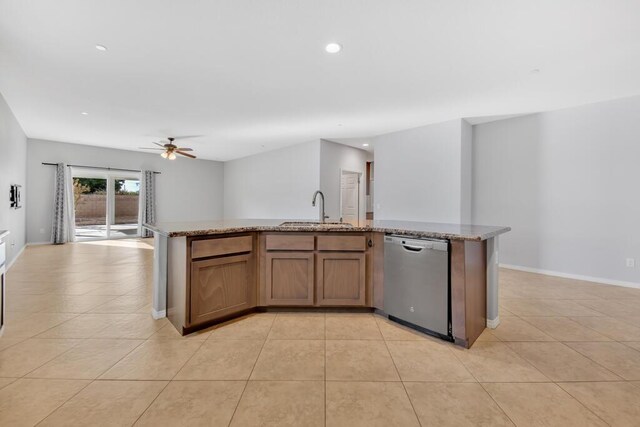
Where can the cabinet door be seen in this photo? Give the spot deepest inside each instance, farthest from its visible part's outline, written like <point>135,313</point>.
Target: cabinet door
<point>341,278</point>
<point>289,278</point>
<point>220,287</point>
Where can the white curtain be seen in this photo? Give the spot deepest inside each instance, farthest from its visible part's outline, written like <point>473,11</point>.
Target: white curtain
<point>147,207</point>
<point>64,216</point>
<point>71,206</point>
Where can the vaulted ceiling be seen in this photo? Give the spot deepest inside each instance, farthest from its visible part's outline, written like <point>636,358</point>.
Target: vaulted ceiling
<point>253,75</point>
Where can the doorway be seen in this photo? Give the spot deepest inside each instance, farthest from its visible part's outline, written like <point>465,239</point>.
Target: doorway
<point>350,196</point>
<point>106,204</point>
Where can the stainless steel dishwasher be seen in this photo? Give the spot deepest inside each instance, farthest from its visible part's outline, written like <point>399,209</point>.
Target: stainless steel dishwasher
<point>416,283</point>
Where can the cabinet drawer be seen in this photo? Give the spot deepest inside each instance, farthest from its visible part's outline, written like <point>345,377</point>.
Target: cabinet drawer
<point>342,243</point>
<point>222,246</point>
<point>279,242</point>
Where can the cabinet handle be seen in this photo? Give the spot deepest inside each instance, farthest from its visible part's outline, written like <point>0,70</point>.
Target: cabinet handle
<point>370,243</point>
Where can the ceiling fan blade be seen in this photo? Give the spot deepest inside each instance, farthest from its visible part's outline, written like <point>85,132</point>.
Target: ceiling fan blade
<point>158,144</point>
<point>187,136</point>
<point>150,148</point>
<point>185,154</point>
<point>184,149</point>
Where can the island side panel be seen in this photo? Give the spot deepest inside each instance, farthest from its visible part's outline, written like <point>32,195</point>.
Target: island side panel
<point>476,288</point>
<point>177,279</point>
<point>378,271</point>
<point>159,294</point>
<point>458,298</point>
<point>468,290</point>
<point>493,319</point>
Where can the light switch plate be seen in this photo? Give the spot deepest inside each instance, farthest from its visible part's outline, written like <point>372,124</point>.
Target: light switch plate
<point>631,262</point>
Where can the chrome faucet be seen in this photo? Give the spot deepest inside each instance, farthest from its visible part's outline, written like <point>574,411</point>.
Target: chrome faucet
<point>313,203</point>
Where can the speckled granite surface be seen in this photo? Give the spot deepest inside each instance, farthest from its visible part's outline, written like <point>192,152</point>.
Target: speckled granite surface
<point>419,229</point>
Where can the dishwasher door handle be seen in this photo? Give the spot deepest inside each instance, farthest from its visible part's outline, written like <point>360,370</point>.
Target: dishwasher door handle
<point>413,249</point>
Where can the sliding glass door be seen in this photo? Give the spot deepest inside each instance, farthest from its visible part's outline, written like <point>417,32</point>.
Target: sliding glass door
<point>90,197</point>
<point>124,215</point>
<point>106,204</point>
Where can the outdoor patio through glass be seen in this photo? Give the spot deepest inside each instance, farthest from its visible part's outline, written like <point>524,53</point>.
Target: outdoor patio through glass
<point>106,204</point>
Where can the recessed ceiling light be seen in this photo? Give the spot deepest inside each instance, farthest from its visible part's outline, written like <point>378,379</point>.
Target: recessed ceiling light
<point>84,113</point>
<point>101,48</point>
<point>333,48</point>
<point>365,145</point>
<point>535,71</point>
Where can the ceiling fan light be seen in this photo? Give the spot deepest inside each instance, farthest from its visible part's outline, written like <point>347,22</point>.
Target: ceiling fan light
<point>172,156</point>
<point>164,154</point>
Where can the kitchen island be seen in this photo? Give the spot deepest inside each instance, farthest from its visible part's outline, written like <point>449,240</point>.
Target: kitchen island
<point>206,272</point>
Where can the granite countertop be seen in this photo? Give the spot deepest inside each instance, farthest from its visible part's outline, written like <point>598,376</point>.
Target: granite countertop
<point>413,228</point>
<point>4,233</point>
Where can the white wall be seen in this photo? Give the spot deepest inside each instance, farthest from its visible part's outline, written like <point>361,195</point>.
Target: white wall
<point>466,172</point>
<point>568,183</point>
<point>13,170</point>
<point>275,184</point>
<point>334,158</point>
<point>186,189</point>
<point>419,173</point>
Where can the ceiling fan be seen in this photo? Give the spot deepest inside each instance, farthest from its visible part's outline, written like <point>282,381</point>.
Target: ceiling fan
<point>169,149</point>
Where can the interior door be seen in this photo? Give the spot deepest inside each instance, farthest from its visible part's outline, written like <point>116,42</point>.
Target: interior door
<point>350,196</point>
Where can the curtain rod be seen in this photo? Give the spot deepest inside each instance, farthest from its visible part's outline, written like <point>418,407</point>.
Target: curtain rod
<point>98,167</point>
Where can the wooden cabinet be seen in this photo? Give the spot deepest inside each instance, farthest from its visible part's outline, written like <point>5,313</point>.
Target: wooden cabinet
<point>221,286</point>
<point>342,243</point>
<point>341,278</point>
<point>221,246</point>
<point>289,278</point>
<point>314,269</point>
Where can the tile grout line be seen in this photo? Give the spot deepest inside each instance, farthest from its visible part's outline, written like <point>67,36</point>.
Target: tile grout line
<point>498,404</point>
<point>590,359</point>
<point>63,403</point>
<point>325,370</point>
<point>168,382</point>
<point>246,383</point>
<point>600,342</point>
<point>483,387</point>
<point>386,345</point>
<point>86,379</point>
<point>580,403</point>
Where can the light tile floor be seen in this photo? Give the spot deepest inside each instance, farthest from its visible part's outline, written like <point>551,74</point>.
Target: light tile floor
<point>81,348</point>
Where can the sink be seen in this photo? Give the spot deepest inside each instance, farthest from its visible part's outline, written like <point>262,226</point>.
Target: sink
<point>316,224</point>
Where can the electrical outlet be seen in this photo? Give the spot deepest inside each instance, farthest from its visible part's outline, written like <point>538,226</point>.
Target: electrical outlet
<point>631,263</point>
<point>42,231</point>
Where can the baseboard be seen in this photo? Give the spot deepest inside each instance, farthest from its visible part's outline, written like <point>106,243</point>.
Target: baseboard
<point>15,258</point>
<point>158,314</point>
<point>493,323</point>
<point>39,243</point>
<point>598,280</point>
